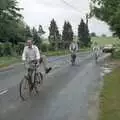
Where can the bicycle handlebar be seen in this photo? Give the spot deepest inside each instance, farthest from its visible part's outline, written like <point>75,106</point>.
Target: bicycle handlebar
<point>32,63</point>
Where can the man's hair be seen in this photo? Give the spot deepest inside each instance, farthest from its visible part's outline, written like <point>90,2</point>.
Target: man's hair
<point>30,38</point>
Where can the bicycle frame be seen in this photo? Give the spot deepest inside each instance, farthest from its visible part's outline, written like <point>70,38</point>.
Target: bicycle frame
<point>33,69</point>
<point>32,80</point>
<point>73,58</point>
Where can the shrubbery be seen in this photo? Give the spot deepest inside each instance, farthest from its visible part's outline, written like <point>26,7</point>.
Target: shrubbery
<point>44,47</point>
<point>1,50</point>
<point>19,48</point>
<point>116,52</point>
<point>6,49</point>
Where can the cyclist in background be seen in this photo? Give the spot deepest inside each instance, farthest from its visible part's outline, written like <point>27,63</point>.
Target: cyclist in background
<point>73,49</point>
<point>96,50</point>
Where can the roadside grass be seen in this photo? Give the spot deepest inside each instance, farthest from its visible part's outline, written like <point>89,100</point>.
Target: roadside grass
<point>84,49</point>
<point>105,40</point>
<point>8,60</point>
<point>116,55</point>
<point>56,53</point>
<point>63,52</point>
<point>110,97</point>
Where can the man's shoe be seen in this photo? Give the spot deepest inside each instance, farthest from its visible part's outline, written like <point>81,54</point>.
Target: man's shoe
<point>48,70</point>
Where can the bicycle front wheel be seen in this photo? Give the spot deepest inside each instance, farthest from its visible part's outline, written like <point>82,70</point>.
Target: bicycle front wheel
<point>24,89</point>
<point>38,79</point>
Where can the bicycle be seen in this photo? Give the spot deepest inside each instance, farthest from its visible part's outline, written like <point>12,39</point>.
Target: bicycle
<point>73,58</point>
<point>96,53</point>
<point>96,57</point>
<point>36,81</point>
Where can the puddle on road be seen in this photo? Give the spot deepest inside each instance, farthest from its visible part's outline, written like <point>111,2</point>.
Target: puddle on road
<point>105,70</point>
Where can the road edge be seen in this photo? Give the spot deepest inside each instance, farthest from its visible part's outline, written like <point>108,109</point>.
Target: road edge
<point>94,100</point>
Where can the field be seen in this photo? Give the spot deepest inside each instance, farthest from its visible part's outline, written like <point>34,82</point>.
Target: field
<point>105,40</point>
<point>102,40</point>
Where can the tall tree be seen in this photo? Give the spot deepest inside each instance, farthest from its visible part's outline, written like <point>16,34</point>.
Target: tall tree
<point>93,34</point>
<point>28,32</point>
<point>54,36</point>
<point>40,30</point>
<point>9,10</point>
<point>108,11</point>
<point>36,38</point>
<point>67,34</point>
<point>10,20</point>
<point>60,44</point>
<point>83,34</point>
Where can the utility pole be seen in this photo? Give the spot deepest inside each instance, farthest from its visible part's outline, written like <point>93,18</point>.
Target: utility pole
<point>87,17</point>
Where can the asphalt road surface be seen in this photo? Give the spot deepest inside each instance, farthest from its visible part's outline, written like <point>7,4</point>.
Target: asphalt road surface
<point>64,95</point>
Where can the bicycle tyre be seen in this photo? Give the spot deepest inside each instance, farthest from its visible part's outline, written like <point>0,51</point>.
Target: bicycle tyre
<point>73,61</point>
<point>96,58</point>
<point>38,81</point>
<point>21,91</point>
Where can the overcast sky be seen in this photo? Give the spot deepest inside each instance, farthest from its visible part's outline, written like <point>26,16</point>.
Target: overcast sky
<point>42,11</point>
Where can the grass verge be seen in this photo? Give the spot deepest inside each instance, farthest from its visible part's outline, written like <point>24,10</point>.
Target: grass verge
<point>8,60</point>
<point>63,52</point>
<point>110,97</point>
<point>56,53</point>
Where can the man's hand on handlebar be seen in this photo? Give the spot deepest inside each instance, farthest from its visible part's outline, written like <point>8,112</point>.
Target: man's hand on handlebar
<point>36,62</point>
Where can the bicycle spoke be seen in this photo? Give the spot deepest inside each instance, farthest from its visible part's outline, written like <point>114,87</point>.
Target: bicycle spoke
<point>24,89</point>
<point>25,85</point>
<point>38,82</point>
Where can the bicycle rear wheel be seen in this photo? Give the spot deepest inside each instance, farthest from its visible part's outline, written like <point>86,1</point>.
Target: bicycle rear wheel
<point>96,58</point>
<point>24,89</point>
<point>73,58</point>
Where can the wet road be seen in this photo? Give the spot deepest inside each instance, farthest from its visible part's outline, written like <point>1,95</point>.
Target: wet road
<point>64,95</point>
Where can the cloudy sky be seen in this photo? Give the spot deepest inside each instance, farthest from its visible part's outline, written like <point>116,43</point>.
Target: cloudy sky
<point>42,11</point>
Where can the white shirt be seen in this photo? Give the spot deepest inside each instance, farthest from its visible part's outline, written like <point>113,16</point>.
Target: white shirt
<point>96,48</point>
<point>31,53</point>
<point>73,46</point>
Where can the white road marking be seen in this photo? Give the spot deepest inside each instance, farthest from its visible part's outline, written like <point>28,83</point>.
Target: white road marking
<point>3,91</point>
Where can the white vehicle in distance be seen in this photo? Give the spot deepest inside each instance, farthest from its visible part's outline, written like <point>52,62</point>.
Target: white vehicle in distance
<point>108,48</point>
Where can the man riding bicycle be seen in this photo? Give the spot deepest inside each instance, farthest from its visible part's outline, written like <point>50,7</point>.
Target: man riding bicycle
<point>31,55</point>
<point>73,49</point>
<point>96,50</point>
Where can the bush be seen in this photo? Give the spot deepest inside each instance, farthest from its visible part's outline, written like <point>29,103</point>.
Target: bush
<point>19,48</point>
<point>116,52</point>
<point>44,47</point>
<point>51,47</point>
<point>7,49</point>
<point>1,50</point>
